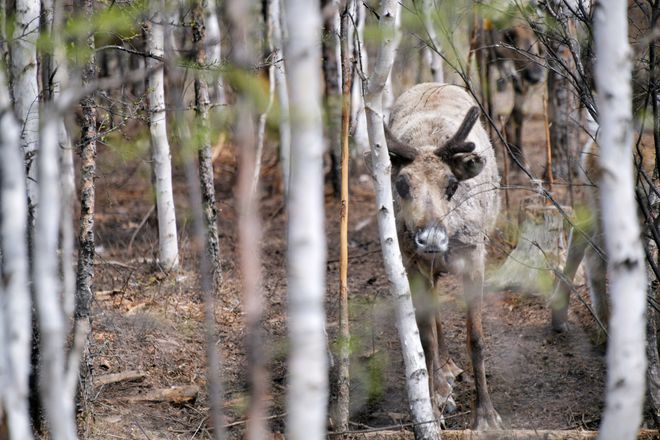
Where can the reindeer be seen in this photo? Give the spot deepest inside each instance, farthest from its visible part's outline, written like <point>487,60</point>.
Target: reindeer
<point>515,52</point>
<point>586,240</point>
<point>446,204</point>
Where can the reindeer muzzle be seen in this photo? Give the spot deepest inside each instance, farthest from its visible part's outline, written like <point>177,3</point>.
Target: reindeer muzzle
<point>432,240</point>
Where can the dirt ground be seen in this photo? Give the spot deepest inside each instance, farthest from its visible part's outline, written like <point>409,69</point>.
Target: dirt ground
<point>151,322</point>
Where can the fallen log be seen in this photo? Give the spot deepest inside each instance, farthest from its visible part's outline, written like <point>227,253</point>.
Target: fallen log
<point>174,394</point>
<point>124,376</point>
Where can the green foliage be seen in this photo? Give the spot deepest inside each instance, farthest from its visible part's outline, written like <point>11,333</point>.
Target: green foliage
<point>583,217</point>
<point>129,149</point>
<point>504,13</point>
<point>111,25</point>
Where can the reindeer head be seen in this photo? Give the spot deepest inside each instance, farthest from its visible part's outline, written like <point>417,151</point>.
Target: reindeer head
<point>427,180</point>
<point>519,45</point>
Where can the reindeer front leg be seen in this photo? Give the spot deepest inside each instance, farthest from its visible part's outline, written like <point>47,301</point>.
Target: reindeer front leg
<point>485,416</point>
<point>425,312</point>
<point>515,123</point>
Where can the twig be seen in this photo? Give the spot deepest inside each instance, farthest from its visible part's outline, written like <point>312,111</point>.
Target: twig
<point>548,145</point>
<point>350,257</point>
<point>244,421</point>
<point>505,159</point>
<point>142,429</point>
<point>399,426</point>
<point>144,220</point>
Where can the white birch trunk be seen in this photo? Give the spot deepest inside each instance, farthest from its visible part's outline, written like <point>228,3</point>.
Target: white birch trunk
<point>283,99</point>
<point>358,117</point>
<point>56,393</point>
<point>214,51</point>
<point>67,173</point>
<point>25,86</point>
<point>626,360</point>
<point>272,21</point>
<point>388,92</point>
<point>16,308</point>
<point>431,54</point>
<point>167,233</point>
<point>413,354</point>
<point>307,396</point>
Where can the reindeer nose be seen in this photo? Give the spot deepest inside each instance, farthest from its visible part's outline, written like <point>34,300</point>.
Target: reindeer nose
<point>432,239</point>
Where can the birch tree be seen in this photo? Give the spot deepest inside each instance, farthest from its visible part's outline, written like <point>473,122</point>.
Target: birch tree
<point>239,13</point>
<point>282,97</point>
<point>341,404</point>
<point>358,117</point>
<point>388,92</point>
<point>214,50</point>
<point>413,355</point>
<point>205,237</point>
<point>332,87</point>
<point>58,373</point>
<point>86,239</point>
<point>160,147</point>
<point>626,361</point>
<point>432,50</point>
<point>204,153</point>
<point>25,87</point>
<point>15,303</point>
<point>307,394</point>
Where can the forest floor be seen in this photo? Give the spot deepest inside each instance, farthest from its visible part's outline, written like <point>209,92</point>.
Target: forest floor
<point>150,322</point>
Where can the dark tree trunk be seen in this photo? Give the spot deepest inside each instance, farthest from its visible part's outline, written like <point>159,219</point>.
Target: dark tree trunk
<point>332,96</point>
<point>202,104</point>
<point>86,252</point>
<point>210,257</point>
<point>562,102</point>
<point>340,383</point>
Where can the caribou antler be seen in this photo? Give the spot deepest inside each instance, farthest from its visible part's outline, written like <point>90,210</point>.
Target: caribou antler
<point>458,153</point>
<point>398,148</point>
<point>456,144</point>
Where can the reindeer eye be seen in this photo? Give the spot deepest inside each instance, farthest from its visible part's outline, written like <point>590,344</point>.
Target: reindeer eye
<point>402,186</point>
<point>452,186</point>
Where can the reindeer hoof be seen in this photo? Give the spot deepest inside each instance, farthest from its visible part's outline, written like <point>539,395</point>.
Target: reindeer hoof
<point>445,404</point>
<point>560,327</point>
<point>487,420</point>
<point>452,372</point>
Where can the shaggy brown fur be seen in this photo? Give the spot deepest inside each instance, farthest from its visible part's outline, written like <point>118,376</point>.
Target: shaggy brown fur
<point>447,201</point>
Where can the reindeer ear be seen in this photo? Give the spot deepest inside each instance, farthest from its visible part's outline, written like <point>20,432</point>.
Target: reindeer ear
<point>466,165</point>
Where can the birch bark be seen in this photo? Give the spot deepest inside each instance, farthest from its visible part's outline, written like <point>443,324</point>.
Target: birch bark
<point>626,360</point>
<point>214,51</point>
<point>58,375</point>
<point>86,250</point>
<point>283,99</point>
<point>307,396</point>
<point>413,354</point>
<point>341,404</point>
<point>431,54</point>
<point>211,260</point>
<point>16,310</point>
<point>240,14</point>
<point>84,283</point>
<point>388,91</point>
<point>204,153</point>
<point>167,232</point>
<point>358,117</point>
<point>332,88</point>
<point>25,88</point>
